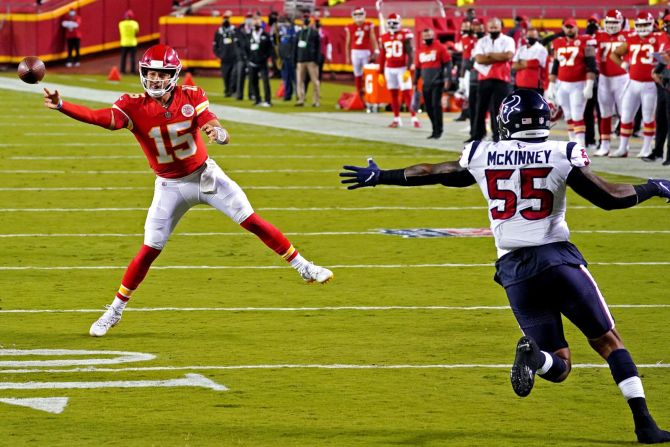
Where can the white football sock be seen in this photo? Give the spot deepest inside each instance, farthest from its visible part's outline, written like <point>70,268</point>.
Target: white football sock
<point>631,387</point>
<point>548,363</point>
<point>119,304</point>
<point>298,262</point>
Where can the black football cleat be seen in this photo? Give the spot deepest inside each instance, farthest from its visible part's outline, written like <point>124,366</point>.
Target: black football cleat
<point>527,361</point>
<point>652,435</point>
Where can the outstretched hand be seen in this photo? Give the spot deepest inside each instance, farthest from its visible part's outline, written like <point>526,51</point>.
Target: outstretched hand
<point>51,100</point>
<point>361,176</point>
<point>662,185</point>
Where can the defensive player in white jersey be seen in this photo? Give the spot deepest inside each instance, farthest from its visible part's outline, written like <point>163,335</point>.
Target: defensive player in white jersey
<point>524,177</point>
<point>166,121</point>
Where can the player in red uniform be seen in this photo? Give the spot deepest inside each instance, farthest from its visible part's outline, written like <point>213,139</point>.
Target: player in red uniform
<point>641,90</point>
<point>612,80</point>
<point>575,67</point>
<point>359,44</point>
<point>396,61</point>
<point>166,120</point>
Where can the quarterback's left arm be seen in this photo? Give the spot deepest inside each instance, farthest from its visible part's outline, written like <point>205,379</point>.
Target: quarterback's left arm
<point>449,173</point>
<point>612,196</point>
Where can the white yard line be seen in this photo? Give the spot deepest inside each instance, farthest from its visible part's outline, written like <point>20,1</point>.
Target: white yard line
<point>306,309</point>
<point>145,172</point>
<point>301,366</point>
<point>272,267</point>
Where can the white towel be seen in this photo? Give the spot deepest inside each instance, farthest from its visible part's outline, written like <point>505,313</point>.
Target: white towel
<point>208,178</point>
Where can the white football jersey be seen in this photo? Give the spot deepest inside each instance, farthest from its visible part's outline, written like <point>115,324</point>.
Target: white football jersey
<point>524,184</point>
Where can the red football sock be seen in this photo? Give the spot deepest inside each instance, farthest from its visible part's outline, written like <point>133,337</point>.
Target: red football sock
<point>137,271</point>
<point>358,80</point>
<point>407,99</point>
<point>270,236</point>
<point>605,127</point>
<point>395,102</point>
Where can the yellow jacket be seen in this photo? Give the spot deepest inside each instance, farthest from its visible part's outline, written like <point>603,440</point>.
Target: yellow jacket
<point>128,30</point>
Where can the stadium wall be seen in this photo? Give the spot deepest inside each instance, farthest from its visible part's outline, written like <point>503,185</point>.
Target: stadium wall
<point>42,35</point>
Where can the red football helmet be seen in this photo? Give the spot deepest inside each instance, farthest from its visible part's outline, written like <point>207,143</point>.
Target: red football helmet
<point>644,24</point>
<point>162,59</point>
<point>393,22</point>
<point>613,21</point>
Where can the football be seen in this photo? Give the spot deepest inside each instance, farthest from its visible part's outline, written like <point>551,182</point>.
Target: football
<point>31,70</point>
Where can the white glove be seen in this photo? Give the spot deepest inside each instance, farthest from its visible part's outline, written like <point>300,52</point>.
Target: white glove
<point>588,89</point>
<point>550,94</point>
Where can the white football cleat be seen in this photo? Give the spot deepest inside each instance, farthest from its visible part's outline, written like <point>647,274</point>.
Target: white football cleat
<point>314,273</point>
<point>602,152</point>
<point>108,320</point>
<point>644,153</point>
<point>619,153</point>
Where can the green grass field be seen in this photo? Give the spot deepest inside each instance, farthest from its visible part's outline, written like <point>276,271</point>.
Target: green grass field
<point>349,370</point>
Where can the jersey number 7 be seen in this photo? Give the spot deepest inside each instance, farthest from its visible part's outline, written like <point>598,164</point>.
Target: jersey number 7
<point>527,178</point>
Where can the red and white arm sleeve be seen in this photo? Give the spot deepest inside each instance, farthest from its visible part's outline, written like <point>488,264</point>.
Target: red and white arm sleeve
<point>110,118</point>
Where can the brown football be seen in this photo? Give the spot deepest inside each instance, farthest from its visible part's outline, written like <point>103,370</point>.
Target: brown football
<point>31,70</point>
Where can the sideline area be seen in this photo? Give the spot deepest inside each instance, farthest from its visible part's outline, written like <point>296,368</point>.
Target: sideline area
<point>371,127</point>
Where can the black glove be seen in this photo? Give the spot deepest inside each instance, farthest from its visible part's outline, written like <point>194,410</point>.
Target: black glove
<point>362,176</point>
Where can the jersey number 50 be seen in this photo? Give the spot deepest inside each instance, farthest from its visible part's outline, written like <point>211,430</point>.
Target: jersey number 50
<point>173,131</point>
<point>527,178</point>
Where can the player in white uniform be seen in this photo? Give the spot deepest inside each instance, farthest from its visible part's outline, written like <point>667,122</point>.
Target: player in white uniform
<point>524,177</point>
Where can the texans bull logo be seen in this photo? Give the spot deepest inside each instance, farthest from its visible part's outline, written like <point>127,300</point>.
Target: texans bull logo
<point>509,106</point>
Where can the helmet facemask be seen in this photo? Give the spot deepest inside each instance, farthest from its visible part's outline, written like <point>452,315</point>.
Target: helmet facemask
<point>157,88</point>
<point>613,26</point>
<point>643,29</point>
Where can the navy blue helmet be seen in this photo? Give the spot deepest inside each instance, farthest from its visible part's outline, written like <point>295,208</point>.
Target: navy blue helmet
<point>524,114</point>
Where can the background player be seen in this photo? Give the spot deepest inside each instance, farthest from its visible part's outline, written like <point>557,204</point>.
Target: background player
<point>638,51</point>
<point>396,61</point>
<point>575,67</point>
<point>360,44</point>
<point>523,177</point>
<point>612,78</point>
<point>165,121</point>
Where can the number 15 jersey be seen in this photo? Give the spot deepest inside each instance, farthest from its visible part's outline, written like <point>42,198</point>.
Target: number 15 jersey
<point>524,184</point>
<point>169,136</point>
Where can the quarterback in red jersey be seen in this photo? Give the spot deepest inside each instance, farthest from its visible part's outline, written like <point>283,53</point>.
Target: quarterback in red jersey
<point>575,67</point>
<point>396,62</point>
<point>636,56</point>
<point>166,120</point>
<point>359,44</point>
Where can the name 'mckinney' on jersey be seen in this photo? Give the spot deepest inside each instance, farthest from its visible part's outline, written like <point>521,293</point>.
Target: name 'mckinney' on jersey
<point>525,185</point>
<point>169,136</point>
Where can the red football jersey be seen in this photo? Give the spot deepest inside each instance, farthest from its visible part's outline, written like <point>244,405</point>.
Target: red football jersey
<point>169,136</point>
<point>570,56</point>
<point>640,55</point>
<point>392,52</point>
<point>468,43</point>
<point>606,44</point>
<point>359,36</point>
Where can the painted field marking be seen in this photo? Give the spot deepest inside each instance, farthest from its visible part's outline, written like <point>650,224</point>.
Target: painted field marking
<point>189,380</point>
<point>227,156</point>
<point>273,267</point>
<point>304,309</point>
<point>146,172</point>
<point>298,366</point>
<point>144,188</point>
<point>54,405</point>
<point>119,357</point>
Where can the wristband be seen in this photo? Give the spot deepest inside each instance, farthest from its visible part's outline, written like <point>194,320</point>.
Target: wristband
<point>60,104</point>
<point>393,177</point>
<point>646,191</point>
<point>221,135</point>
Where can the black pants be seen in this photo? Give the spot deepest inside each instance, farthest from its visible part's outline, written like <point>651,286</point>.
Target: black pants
<point>229,76</point>
<point>73,50</point>
<point>432,98</point>
<point>241,69</point>
<point>489,97</point>
<point>131,54</point>
<point>256,72</point>
<point>591,112</point>
<point>662,112</point>
<point>472,104</point>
